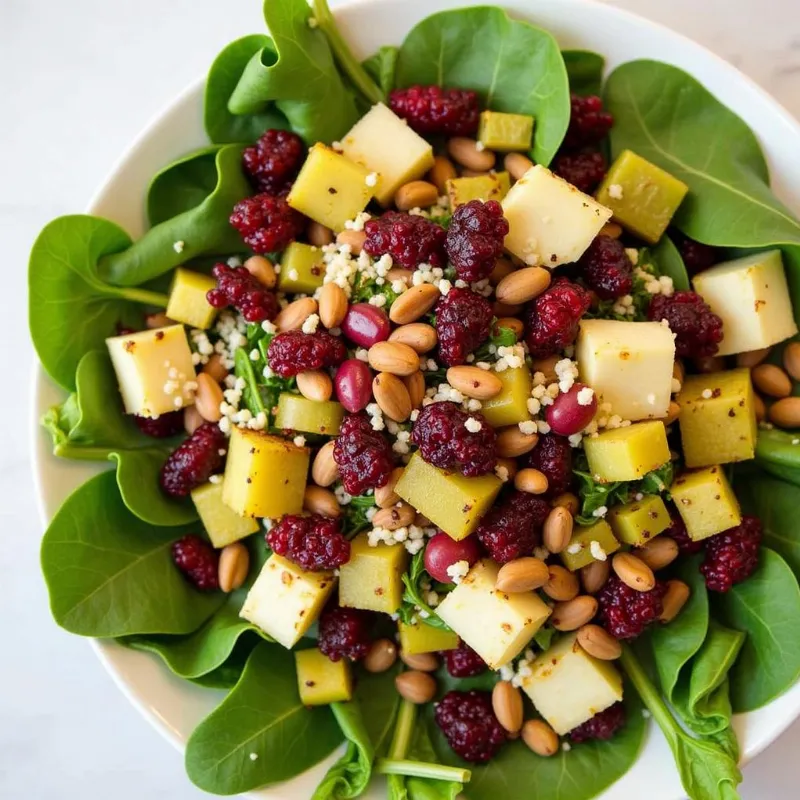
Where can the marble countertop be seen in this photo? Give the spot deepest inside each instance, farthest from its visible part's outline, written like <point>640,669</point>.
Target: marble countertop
<point>78,81</point>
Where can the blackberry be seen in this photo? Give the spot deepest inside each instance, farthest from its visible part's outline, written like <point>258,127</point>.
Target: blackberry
<point>512,528</point>
<point>194,461</point>
<point>434,110</point>
<point>697,329</point>
<point>314,542</point>
<point>198,561</point>
<point>293,352</point>
<point>363,455</point>
<point>470,726</point>
<point>475,238</point>
<point>463,323</point>
<point>552,318</point>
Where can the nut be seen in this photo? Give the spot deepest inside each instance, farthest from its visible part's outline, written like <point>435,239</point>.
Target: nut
<point>658,553</point>
<point>318,234</point>
<point>760,407</point>
<point>215,368</point>
<point>522,575</point>
<point>512,324</point>
<point>157,320</point>
<point>678,372</point>
<point>598,642</point>
<point>507,706</point>
<point>292,317</point>
<point>594,576</point>
<point>385,496</point>
<point>509,465</point>
<point>791,359</point>
<point>633,572</point>
<point>393,357</point>
<point>673,412</point>
<point>710,364</point>
<point>321,501</point>
<point>547,366</point>
<point>192,420</point>
<point>771,380</point>
<point>262,270</point>
<point>523,285</point>
<point>785,413</point>
<point>208,397</point>
<point>557,530</point>
<point>391,396</point>
<point>674,600</point>
<point>539,736</point>
<point>399,274</point>
<point>569,501</point>
<point>423,662</point>
<point>324,471</point>
<point>421,521</point>
<point>415,383</point>
<point>475,382</point>
<point>314,384</point>
<point>234,564</point>
<point>531,480</point>
<point>416,194</point>
<point>502,267</point>
<point>414,303</point>
<point>442,171</point>
<point>512,442</point>
<point>381,656</point>
<point>465,151</point>
<point>569,615</point>
<point>562,585</point>
<point>419,336</point>
<point>397,516</point>
<point>517,165</point>
<point>500,309</point>
<point>416,687</point>
<point>332,305</point>
<point>754,357</point>
<point>611,229</point>
<point>355,239</point>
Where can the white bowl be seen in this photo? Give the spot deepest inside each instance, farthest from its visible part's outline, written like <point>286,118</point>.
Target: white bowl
<point>175,707</point>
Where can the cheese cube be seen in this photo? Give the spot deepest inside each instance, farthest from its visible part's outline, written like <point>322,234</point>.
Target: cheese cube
<point>321,681</point>
<point>285,600</point>
<point>550,221</point>
<point>497,626</point>
<point>187,299</point>
<point>706,502</point>
<point>510,406</point>
<point>638,522</point>
<point>628,364</point>
<point>627,454</point>
<point>567,686</point>
<point>751,297</point>
<point>302,269</point>
<point>383,143</point>
<point>223,525</point>
<point>477,187</point>
<point>505,132</point>
<point>587,542</point>
<point>423,638</point>
<point>373,577</point>
<point>154,370</point>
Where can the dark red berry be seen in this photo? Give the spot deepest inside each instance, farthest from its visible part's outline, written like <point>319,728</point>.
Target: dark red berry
<point>432,109</point>
<point>238,288</point>
<point>198,561</point>
<point>274,160</point>
<point>606,268</point>
<point>696,256</point>
<point>677,531</point>
<point>553,456</point>
<point>293,352</point>
<point>161,427</point>
<point>194,461</point>
<point>626,612</point>
<point>363,455</point>
<point>314,542</point>
<point>583,170</point>
<point>267,222</point>
<point>589,123</point>
<point>444,440</point>
<point>345,633</point>
<point>468,722</point>
<point>552,318</point>
<point>409,239</point>
<point>463,323</point>
<point>475,238</point>
<point>601,726</point>
<point>512,528</point>
<point>697,329</point>
<point>732,556</point>
<point>464,662</point>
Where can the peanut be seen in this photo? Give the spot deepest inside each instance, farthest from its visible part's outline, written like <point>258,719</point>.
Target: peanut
<point>501,309</point>
<point>415,383</point>
<point>441,172</point>
<point>791,359</point>
<point>523,285</point>
<point>234,564</point>
<point>423,662</point>
<point>416,687</point>
<point>754,357</point>
<point>509,465</point>
<point>319,235</point>
<point>466,152</point>
<point>381,656</point>
<point>512,324</point>
<point>318,500</point>
<point>594,576</point>
<point>414,303</point>
<point>475,382</point>
<point>292,317</point>
<point>192,420</point>
<point>416,194</point>
<point>208,397</point>
<point>547,366</point>
<point>157,320</point>
<point>392,396</point>
<point>522,575</point>
<point>674,600</point>
<point>531,480</point>
<point>517,165</point>
<point>557,530</point>
<point>355,239</point>
<point>512,442</point>
<point>562,584</point>
<point>771,380</point>
<point>314,384</point>
<point>262,270</point>
<point>598,642</point>
<point>760,407</point>
<point>385,496</point>
<point>324,470</point>
<point>215,368</point>
<point>569,615</point>
<point>502,267</point>
<point>569,501</point>
<point>633,572</point>
<point>785,413</point>
<point>658,553</point>
<point>332,305</point>
<point>611,229</point>
<point>540,738</point>
<point>398,359</point>
<point>507,706</point>
<point>398,516</point>
<point>419,336</point>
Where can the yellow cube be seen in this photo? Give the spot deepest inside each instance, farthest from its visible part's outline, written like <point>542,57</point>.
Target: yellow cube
<point>451,501</point>
<point>638,522</point>
<point>265,476</point>
<point>505,132</point>
<point>222,524</point>
<point>627,454</point>
<point>187,299</point>
<point>706,502</point>
<point>373,577</point>
<point>298,413</point>
<point>302,269</point>
<point>330,188</point>
<point>477,187</point>
<point>422,638</point>
<point>589,543</point>
<point>510,407</point>
<point>321,681</point>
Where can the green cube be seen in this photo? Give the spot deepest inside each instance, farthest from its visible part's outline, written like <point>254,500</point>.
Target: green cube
<point>321,681</point>
<point>298,413</point>
<point>506,132</point>
<point>422,638</point>
<point>638,522</point>
<point>510,407</point>
<point>187,299</point>
<point>706,502</point>
<point>302,269</point>
<point>494,186</point>
<point>582,550</point>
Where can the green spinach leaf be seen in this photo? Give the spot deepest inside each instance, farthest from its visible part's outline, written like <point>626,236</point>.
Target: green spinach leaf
<point>355,515</point>
<point>778,453</point>
<point>382,65</point>
<point>584,70</point>
<point>667,261</point>
<point>414,607</point>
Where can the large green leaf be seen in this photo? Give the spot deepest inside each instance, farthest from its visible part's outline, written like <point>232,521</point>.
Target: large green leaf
<point>585,71</point>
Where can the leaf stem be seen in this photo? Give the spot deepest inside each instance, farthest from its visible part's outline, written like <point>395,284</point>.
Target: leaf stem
<point>144,296</point>
<point>422,769</point>
<point>81,453</point>
<point>647,691</point>
<point>404,727</point>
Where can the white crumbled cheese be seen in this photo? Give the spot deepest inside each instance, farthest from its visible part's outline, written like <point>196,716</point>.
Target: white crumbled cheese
<point>506,672</point>
<point>414,415</point>
<point>310,325</point>
<point>254,756</point>
<point>473,425</point>
<point>575,439</point>
<point>480,146</point>
<point>398,286</point>
<point>566,746</point>
<point>178,246</point>
<point>484,365</point>
<point>378,300</point>
<point>458,570</point>
<point>255,354</point>
<point>585,396</point>
<point>312,22</point>
<point>542,553</point>
<point>596,549</point>
<point>234,261</point>
<point>371,179</point>
<point>542,426</point>
<point>633,255</point>
<point>342,496</point>
<point>599,513</point>
<point>646,713</point>
<point>501,472</point>
<point>534,406</point>
<point>215,479</point>
<point>292,275</point>
<point>269,327</point>
<point>707,394</point>
<point>575,548</point>
<point>508,357</point>
<point>444,286</point>
<point>401,445</point>
<point>299,441</point>
<point>357,224</point>
<point>567,372</point>
<point>615,191</point>
<point>362,354</point>
<point>528,427</point>
<point>376,417</point>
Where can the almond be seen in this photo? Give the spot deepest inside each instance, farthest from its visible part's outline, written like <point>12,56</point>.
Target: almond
<point>562,584</point>
<point>192,419</point>
<point>785,413</point>
<point>673,412</point>
<point>598,642</point>
<point>415,383</point>
<point>324,470</point>
<point>262,270</point>
<point>512,324</point>
<point>557,530</point>
<point>569,615</point>
<point>594,576</point>
<point>423,662</point>
<point>517,165</point>
<point>507,706</point>
<point>419,336</point>
<point>633,572</point>
<point>314,384</point>
<point>754,357</point>
<point>208,397</point>
<point>502,267</point>
<point>416,687</point>
<point>441,172</point>
<point>332,305</point>
<point>393,357</point>
<point>414,303</point>
<point>318,500</point>
<point>674,600</point>
<point>381,656</point>
<point>416,194</point>
<point>658,553</point>
<point>385,496</point>
<point>523,285</point>
<point>398,516</point>
<point>538,735</point>
<point>531,480</point>
<point>509,465</point>
<point>791,359</point>
<point>771,380</point>
<point>465,151</point>
<point>522,575</point>
<point>355,239</point>
<point>760,407</point>
<point>215,368</point>
<point>475,382</point>
<point>512,442</point>
<point>612,230</point>
<point>318,234</point>
<point>292,317</point>
<point>392,396</point>
<point>547,366</point>
<point>569,501</point>
<point>234,564</point>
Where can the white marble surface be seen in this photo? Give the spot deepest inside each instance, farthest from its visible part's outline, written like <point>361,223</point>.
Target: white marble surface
<point>78,80</point>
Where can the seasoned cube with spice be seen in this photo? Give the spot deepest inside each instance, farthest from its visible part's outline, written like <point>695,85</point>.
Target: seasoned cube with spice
<point>373,577</point>
<point>223,525</point>
<point>627,453</point>
<point>706,502</point>
<point>504,132</point>
<point>297,413</point>
<point>321,681</point>
<point>639,521</point>
<point>589,543</point>
<point>494,186</point>
<point>187,299</point>
<point>510,406</point>
<point>420,637</point>
<point>302,269</point>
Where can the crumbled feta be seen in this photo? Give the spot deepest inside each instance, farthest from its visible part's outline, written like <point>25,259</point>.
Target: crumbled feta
<point>596,549</point>
<point>310,325</point>
<point>371,179</point>
<point>707,394</point>
<point>215,479</point>
<point>528,427</point>
<point>178,246</point>
<point>473,425</point>
<point>458,570</point>
<point>599,513</point>
<point>615,191</point>
<point>575,548</point>
<point>586,395</point>
<point>300,441</point>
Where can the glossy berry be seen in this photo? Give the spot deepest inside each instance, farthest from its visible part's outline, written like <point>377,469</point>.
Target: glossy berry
<point>464,662</point>
<point>463,323</point>
<point>293,352</point>
<point>432,110</point>
<point>677,531</point>
<point>365,325</point>
<point>553,456</point>
<point>353,385</point>
<point>409,239</point>
<point>552,318</point>
<point>344,633</point>
<point>601,726</point>
<point>470,726</point>
<point>626,612</point>
<point>194,461</point>
<point>475,238</point>
<point>697,329</point>
<point>363,455</point>
<point>238,288</point>
<point>696,256</point>
<point>314,542</point>
<point>161,427</point>
<point>267,222</point>
<point>442,552</point>
<point>606,268</point>
<point>571,411</point>
<point>512,528</point>
<point>583,170</point>
<point>274,160</point>
<point>198,561</point>
<point>444,440</point>
<point>732,556</point>
<point>589,123</point>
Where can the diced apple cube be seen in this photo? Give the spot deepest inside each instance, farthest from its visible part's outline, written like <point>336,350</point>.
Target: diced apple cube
<point>706,502</point>
<point>321,681</point>
<point>638,522</point>
<point>477,187</point>
<point>550,221</point>
<point>383,143</point>
<point>154,370</point>
<point>627,454</point>
<point>496,625</point>
<point>298,413</point>
<point>510,407</point>
<point>302,269</point>
<point>187,299</point>
<point>223,525</point>
<point>587,543</point>
<point>568,686</point>
<point>628,364</point>
<point>505,132</point>
<point>422,638</point>
<point>751,297</point>
<point>373,577</point>
<point>285,600</point>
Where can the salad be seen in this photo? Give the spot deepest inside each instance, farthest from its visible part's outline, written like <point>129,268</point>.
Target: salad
<point>452,409</point>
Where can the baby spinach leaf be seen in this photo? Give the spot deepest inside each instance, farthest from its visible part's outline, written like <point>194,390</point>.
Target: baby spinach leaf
<point>767,607</point>
<point>262,715</point>
<point>227,674</point>
<point>584,70</point>
<point>668,261</point>
<point>413,600</point>
<point>777,453</point>
<point>298,75</point>
<point>518,68</point>
<point>109,573</point>
<point>382,65</point>
<point>355,515</point>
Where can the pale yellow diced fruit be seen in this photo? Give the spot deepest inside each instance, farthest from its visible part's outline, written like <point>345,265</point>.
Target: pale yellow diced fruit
<point>496,625</point>
<point>550,221</point>
<point>627,453</point>
<point>706,502</point>
<point>187,299</point>
<point>154,370</point>
<point>628,364</point>
<point>383,143</point>
<point>373,577</point>
<point>567,686</point>
<point>223,525</point>
<point>751,297</point>
<point>285,600</point>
